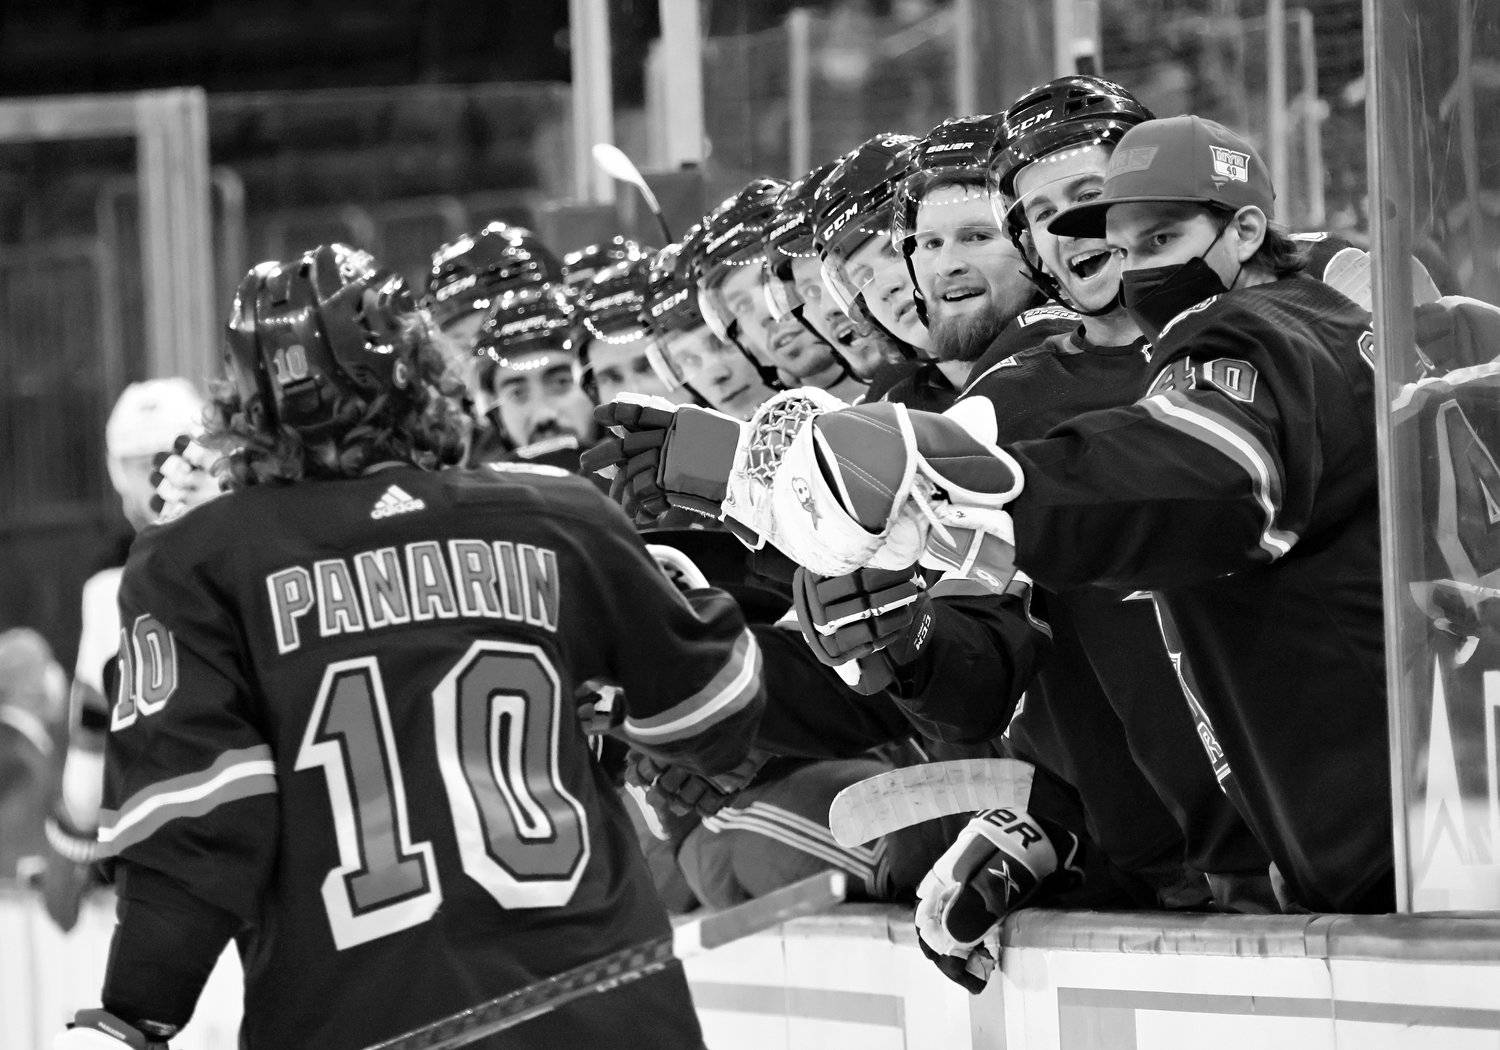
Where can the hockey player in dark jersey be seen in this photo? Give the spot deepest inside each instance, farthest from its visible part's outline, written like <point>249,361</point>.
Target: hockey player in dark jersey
<point>346,734</point>
<point>1240,489</point>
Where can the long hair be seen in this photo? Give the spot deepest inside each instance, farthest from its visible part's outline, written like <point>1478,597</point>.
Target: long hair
<point>423,423</point>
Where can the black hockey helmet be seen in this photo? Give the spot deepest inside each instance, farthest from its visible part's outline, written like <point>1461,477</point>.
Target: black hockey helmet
<point>610,308</point>
<point>955,152</point>
<point>790,236</point>
<point>306,332</point>
<point>1069,112</point>
<point>732,236</point>
<point>582,263</point>
<point>853,204</point>
<point>670,303</point>
<point>1074,110</point>
<point>471,273</point>
<point>527,320</point>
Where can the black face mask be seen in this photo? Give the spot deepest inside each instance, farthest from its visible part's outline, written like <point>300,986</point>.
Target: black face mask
<point>1154,295</point>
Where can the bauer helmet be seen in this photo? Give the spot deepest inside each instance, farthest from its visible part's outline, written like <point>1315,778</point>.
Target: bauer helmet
<point>303,334</point>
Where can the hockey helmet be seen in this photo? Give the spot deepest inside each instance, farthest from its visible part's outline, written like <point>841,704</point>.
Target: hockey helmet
<point>1074,110</point>
<point>306,332</point>
<point>731,239</point>
<point>790,236</point>
<point>579,265</point>
<point>471,273</point>
<point>854,204</point>
<point>527,321</point>
<point>610,308</point>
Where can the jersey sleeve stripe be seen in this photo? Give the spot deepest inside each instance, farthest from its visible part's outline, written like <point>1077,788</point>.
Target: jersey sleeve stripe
<point>728,692</point>
<point>235,775</point>
<point>797,833</point>
<point>1174,410</point>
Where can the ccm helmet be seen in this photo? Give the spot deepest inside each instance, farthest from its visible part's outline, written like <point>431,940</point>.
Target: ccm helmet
<point>854,204</point>
<point>1071,112</point>
<point>304,333</point>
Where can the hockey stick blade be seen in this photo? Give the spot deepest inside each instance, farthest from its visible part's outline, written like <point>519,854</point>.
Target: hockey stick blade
<point>891,801</point>
<point>814,894</point>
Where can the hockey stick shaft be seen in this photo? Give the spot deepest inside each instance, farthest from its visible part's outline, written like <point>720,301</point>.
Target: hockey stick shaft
<point>812,895</point>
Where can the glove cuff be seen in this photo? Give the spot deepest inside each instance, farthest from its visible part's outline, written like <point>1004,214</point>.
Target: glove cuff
<point>698,455</point>
<point>80,847</point>
<point>102,1030</point>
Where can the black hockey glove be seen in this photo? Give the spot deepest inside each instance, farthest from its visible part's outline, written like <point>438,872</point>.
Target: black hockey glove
<point>674,791</point>
<point>1456,332</point>
<point>663,457</point>
<point>1001,861</point>
<point>878,618</point>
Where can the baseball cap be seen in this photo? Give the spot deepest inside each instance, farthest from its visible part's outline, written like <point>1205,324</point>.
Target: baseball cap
<point>1183,159</point>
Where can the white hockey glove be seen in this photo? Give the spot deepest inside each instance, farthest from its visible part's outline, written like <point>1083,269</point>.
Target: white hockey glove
<point>999,862</point>
<point>102,1030</point>
<point>869,486</point>
<point>185,479</point>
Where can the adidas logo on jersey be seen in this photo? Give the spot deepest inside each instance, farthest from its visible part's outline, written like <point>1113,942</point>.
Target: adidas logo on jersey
<point>396,500</point>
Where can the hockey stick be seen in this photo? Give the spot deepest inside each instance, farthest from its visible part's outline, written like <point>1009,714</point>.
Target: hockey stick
<point>891,801</point>
<point>812,895</point>
<point>613,161</point>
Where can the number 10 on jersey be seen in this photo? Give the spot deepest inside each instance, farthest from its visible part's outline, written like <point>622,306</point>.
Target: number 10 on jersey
<point>497,718</point>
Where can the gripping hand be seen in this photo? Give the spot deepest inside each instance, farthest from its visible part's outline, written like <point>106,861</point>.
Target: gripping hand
<point>661,455</point>
<point>999,862</point>
<point>878,619</point>
<point>184,478</point>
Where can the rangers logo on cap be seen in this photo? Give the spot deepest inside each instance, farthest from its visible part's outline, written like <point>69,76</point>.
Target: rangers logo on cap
<point>1230,164</point>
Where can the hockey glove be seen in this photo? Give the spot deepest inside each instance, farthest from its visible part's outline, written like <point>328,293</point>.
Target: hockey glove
<point>662,455</point>
<point>1456,332</point>
<point>68,872</point>
<point>876,618</point>
<point>102,1030</point>
<point>674,790</point>
<point>1000,861</point>
<point>184,478</point>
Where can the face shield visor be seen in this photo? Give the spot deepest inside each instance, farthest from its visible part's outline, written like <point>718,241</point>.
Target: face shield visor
<point>844,276</point>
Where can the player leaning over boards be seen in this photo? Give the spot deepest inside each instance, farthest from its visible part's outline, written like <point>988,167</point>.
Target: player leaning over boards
<point>351,742</point>
<point>1240,489</point>
<point>1106,706</point>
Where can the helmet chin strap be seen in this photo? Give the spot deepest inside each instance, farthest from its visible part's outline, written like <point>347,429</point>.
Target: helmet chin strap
<point>1051,287</point>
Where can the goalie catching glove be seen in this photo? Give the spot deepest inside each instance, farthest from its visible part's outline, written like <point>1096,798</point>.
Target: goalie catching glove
<point>839,489</point>
<point>878,619</point>
<point>1000,861</point>
<point>662,455</point>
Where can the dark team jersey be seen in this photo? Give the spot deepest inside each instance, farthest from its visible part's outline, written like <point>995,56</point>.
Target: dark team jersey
<point>350,723</point>
<point>1241,490</point>
<point>1105,707</point>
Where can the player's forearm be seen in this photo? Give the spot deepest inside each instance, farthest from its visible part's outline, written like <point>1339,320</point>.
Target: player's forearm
<point>1114,499</point>
<point>165,945</point>
<point>965,686</point>
<point>809,710</point>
